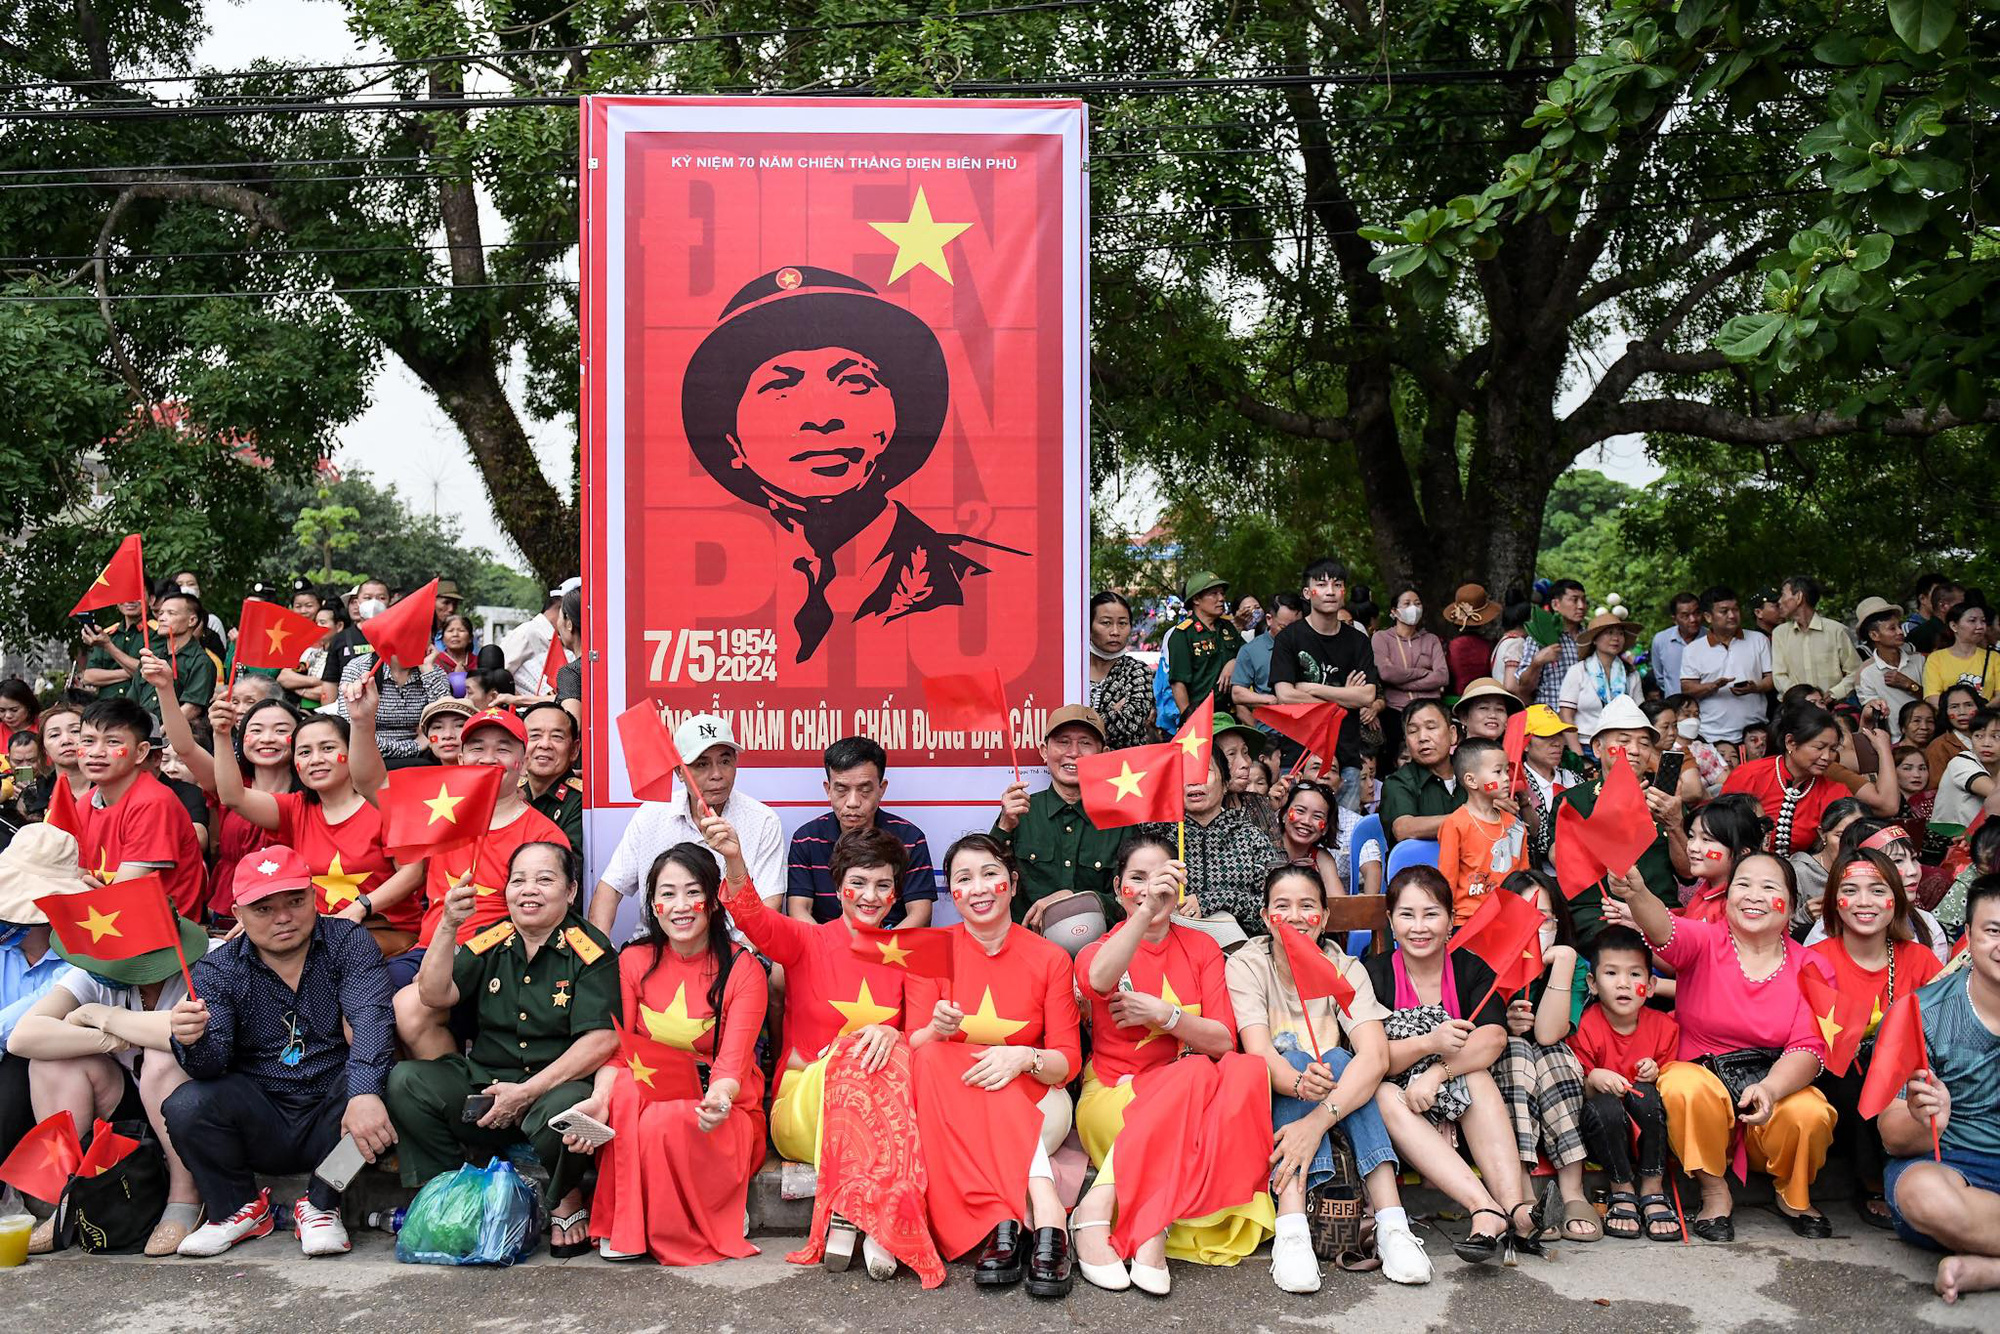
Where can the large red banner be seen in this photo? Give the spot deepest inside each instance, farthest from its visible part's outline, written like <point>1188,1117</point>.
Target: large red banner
<point>834,424</point>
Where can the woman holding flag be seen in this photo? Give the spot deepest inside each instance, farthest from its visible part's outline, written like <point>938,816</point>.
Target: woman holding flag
<point>1287,989</point>
<point>686,1101</point>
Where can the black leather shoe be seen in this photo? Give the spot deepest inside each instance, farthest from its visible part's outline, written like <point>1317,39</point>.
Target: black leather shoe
<point>1000,1262</point>
<point>1813,1227</point>
<point>1049,1265</point>
<point>1722,1228</point>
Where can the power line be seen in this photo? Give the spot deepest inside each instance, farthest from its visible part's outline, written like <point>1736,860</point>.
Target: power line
<point>440,289</point>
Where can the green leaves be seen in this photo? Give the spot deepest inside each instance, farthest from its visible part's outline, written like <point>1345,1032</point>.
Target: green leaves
<point>1923,24</point>
<point>1748,336</point>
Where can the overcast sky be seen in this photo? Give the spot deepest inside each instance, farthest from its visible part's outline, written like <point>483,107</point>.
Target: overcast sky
<point>404,438</point>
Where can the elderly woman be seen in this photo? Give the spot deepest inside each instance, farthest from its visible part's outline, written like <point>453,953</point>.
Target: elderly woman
<point>1793,785</point>
<point>1318,1094</point>
<point>1121,689</point>
<point>673,1180</point>
<point>1871,945</point>
<point>1600,675</point>
<point>844,1087</point>
<point>1958,704</point>
<point>1749,1048</point>
<point>993,1049</point>
<point>1227,855</point>
<point>1440,1056</point>
<point>543,985</point>
<point>1156,993</point>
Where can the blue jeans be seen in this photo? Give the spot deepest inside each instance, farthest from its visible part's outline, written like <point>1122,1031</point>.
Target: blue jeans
<point>1362,1125</point>
<point>1980,1170</point>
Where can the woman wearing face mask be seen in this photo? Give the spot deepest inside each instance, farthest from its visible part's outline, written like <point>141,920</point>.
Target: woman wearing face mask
<point>1411,659</point>
<point>1711,766</point>
<point>992,1051</point>
<point>1749,1047</point>
<point>1876,961</point>
<point>1440,1058</point>
<point>1156,992</point>
<point>673,1180</point>
<point>1792,786</point>
<point>1247,615</point>
<point>1720,835</point>
<point>1121,689</point>
<point>1318,1094</point>
<point>1958,703</point>
<point>1600,676</point>
<point>1894,842</point>
<point>1227,855</point>
<point>843,1101</point>
<point>337,833</point>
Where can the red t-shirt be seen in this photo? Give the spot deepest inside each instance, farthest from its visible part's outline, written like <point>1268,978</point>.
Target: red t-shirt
<point>1599,1046</point>
<point>1023,996</point>
<point>147,824</point>
<point>235,839</point>
<point>1759,779</point>
<point>1184,969</point>
<point>490,880</point>
<point>1915,966</point>
<point>347,859</point>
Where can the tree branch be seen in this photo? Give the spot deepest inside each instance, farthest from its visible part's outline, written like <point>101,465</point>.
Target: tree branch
<point>1688,417</point>
<point>1736,266</point>
<point>1595,295</point>
<point>1587,243</point>
<point>1292,422</point>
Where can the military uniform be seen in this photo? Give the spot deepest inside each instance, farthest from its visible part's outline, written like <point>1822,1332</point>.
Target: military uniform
<point>1196,655</point>
<point>1058,848</point>
<point>563,805</point>
<point>131,641</point>
<point>529,1012</point>
<point>194,677</point>
<point>1586,910</point>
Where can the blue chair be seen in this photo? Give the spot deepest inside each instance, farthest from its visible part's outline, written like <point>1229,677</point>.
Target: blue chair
<point>1370,828</point>
<point>1410,852</point>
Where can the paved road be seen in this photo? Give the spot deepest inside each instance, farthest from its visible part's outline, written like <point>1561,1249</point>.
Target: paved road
<point>1770,1280</point>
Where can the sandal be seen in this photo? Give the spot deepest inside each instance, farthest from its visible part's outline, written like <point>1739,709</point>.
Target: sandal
<point>563,1223</point>
<point>1622,1206</point>
<point>1475,1249</point>
<point>1720,1228</point>
<point>1664,1218</point>
<point>1581,1212</point>
<point>1517,1245</point>
<point>1873,1217</point>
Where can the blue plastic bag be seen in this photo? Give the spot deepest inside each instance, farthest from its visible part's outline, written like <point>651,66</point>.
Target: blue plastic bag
<point>474,1216</point>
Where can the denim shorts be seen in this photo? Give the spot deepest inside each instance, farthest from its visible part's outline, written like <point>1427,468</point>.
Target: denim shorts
<point>1980,1170</point>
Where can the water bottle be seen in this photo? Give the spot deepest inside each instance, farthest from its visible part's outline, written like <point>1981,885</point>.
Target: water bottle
<point>390,1222</point>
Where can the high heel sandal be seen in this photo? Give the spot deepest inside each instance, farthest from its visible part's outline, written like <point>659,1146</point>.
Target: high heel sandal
<point>1111,1277</point>
<point>1477,1250</point>
<point>1514,1246</point>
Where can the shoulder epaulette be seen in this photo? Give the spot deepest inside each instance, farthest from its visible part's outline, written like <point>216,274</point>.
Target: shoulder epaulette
<point>498,934</point>
<point>586,949</point>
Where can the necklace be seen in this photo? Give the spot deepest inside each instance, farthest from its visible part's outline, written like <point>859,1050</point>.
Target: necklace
<point>1737,950</point>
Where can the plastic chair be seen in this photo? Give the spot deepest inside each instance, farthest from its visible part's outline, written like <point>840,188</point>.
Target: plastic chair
<point>1410,852</point>
<point>1369,828</point>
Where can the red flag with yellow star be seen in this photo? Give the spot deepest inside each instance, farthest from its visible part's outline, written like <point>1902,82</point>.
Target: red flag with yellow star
<point>45,1159</point>
<point>107,1149</point>
<point>659,1072</point>
<point>435,809</point>
<point>122,920</point>
<point>1314,726</point>
<point>1839,1025</point>
<point>402,634</point>
<point>1132,786</point>
<point>272,636</point>
<point>923,950</point>
<point>122,580</point>
<point>1196,739</point>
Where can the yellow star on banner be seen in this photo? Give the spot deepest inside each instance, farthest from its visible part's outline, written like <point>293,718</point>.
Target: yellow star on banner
<point>892,953</point>
<point>1192,744</point>
<point>340,887</point>
<point>672,1025</point>
<point>483,890</point>
<point>920,240</point>
<point>1167,995</point>
<point>1127,782</point>
<point>443,805</point>
<point>862,1011</point>
<point>987,1026</point>
<point>278,634</point>
<point>105,871</point>
<point>101,925</point>
<point>1829,1030</point>
<point>641,1072</point>
<point>103,577</point>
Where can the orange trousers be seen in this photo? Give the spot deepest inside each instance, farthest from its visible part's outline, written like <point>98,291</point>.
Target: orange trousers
<point>1791,1146</point>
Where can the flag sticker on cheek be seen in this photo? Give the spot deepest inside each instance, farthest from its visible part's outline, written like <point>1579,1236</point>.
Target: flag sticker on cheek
<point>1640,991</point>
<point>1777,903</point>
<point>1846,901</point>
<point>1712,854</point>
<point>120,752</point>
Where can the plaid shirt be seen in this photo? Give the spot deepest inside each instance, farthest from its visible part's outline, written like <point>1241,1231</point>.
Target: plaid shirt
<point>1226,861</point>
<point>1549,692</point>
<point>400,705</point>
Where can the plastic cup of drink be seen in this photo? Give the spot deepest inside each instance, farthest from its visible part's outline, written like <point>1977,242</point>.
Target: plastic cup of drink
<point>14,1230</point>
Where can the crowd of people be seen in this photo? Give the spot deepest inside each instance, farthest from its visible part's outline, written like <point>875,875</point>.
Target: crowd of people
<point>1183,1004</point>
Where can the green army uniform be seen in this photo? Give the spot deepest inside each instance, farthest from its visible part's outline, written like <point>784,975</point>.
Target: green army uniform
<point>529,1012</point>
<point>194,679</point>
<point>562,804</point>
<point>131,641</point>
<point>1415,790</point>
<point>1586,910</point>
<point>1056,848</point>
<point>1196,656</point>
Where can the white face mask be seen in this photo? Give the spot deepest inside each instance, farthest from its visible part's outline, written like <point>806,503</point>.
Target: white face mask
<point>192,590</point>
<point>1548,935</point>
<point>369,608</point>
<point>1409,615</point>
<point>1689,728</point>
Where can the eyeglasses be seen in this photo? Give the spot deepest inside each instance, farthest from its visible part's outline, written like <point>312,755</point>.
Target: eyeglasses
<point>295,1046</point>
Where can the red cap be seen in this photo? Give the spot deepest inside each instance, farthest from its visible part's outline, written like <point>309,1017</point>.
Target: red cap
<point>268,871</point>
<point>504,719</point>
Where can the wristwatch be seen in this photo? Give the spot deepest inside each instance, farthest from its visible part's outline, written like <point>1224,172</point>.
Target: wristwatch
<point>1173,1021</point>
<point>1035,1066</point>
<point>367,905</point>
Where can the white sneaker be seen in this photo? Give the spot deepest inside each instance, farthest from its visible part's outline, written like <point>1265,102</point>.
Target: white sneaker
<point>320,1230</point>
<point>252,1220</point>
<point>881,1264</point>
<point>1294,1267</point>
<point>1403,1258</point>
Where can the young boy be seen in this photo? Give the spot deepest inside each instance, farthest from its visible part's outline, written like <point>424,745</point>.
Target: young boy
<point>130,823</point>
<point>1621,1044</point>
<point>1969,780</point>
<point>1479,844</point>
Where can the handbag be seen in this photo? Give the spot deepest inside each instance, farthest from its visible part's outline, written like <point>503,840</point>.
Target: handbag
<point>1738,1070</point>
<point>1333,1208</point>
<point>115,1210</point>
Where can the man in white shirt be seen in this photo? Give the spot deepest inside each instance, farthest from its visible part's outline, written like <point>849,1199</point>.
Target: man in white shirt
<point>526,646</point>
<point>1893,674</point>
<point>1728,671</point>
<point>708,748</point>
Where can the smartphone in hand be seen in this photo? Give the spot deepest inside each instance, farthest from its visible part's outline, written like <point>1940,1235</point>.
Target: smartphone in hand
<point>341,1166</point>
<point>476,1106</point>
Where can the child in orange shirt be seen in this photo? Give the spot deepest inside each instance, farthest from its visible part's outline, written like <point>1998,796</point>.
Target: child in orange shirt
<point>1479,844</point>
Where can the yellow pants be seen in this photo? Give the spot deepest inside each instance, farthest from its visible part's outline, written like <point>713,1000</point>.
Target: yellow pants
<point>795,1113</point>
<point>1791,1146</point>
<point>1222,1238</point>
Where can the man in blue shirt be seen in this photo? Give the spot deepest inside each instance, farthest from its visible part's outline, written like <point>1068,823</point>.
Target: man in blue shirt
<point>274,1081</point>
<point>1250,686</point>
<point>1670,643</point>
<point>40,861</point>
<point>856,778</point>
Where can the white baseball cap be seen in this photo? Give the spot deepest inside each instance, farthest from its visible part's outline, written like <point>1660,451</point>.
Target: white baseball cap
<point>701,733</point>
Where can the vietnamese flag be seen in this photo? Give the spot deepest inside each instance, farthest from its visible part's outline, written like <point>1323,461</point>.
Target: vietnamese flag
<point>661,1073</point>
<point>1133,785</point>
<point>1196,737</point>
<point>923,950</point>
<point>1899,1053</point>
<point>1506,934</point>
<point>650,758</point>
<point>1577,863</point>
<point>402,634</point>
<point>1620,827</point>
<point>1841,1028</point>
<point>438,808</point>
<point>556,660</point>
<point>1315,726</point>
<point>971,703</point>
<point>45,1159</point>
<point>1515,743</point>
<point>107,1149</point>
<point>123,579</point>
<point>1313,974</point>
<point>121,920</point>
<point>62,813</point>
<point>272,636</point>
